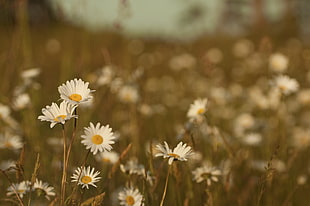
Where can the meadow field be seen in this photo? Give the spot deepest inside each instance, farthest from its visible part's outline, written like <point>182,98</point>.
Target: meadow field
<point>103,119</point>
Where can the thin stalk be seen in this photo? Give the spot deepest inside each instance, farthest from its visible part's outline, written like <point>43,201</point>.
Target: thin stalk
<point>165,189</point>
<point>73,137</point>
<point>209,197</point>
<point>64,169</point>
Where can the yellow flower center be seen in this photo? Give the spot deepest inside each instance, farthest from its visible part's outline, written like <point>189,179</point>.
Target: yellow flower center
<point>106,159</point>
<point>20,191</point>
<point>62,117</point>
<point>86,179</point>
<point>130,200</point>
<point>174,155</point>
<point>8,144</point>
<point>75,97</point>
<point>201,111</point>
<point>128,97</point>
<point>283,87</point>
<point>97,139</point>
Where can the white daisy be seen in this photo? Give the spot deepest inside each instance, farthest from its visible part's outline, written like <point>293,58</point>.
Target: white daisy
<point>197,109</point>
<point>7,164</point>
<point>85,176</point>
<point>206,173</point>
<point>278,62</point>
<point>9,141</point>
<point>21,101</point>
<point>4,112</point>
<point>252,139</point>
<point>55,114</point>
<point>30,73</point>
<point>108,157</point>
<point>75,91</point>
<point>43,189</point>
<point>285,84</point>
<point>133,167</point>
<point>181,152</point>
<point>21,188</point>
<point>128,94</point>
<point>130,197</point>
<point>98,138</point>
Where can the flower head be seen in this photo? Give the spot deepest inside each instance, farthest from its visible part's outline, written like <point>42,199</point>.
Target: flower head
<point>21,188</point>
<point>9,141</point>
<point>197,109</point>
<point>75,91</point>
<point>85,176</point>
<point>278,62</point>
<point>43,189</point>
<point>98,138</point>
<point>107,157</point>
<point>55,114</point>
<point>285,84</point>
<point>130,197</point>
<point>128,94</point>
<point>181,152</point>
<point>206,173</point>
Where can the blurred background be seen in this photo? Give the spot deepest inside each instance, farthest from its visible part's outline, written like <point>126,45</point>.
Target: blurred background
<point>168,53</point>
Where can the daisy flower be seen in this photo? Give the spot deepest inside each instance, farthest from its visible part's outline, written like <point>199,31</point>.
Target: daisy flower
<point>286,84</point>
<point>130,197</point>
<point>43,189</point>
<point>85,176</point>
<point>206,173</point>
<point>21,188</point>
<point>98,138</point>
<point>30,73</point>
<point>252,139</point>
<point>4,111</point>
<point>21,101</point>
<point>278,62</point>
<point>128,94</point>
<point>197,109</point>
<point>181,152</point>
<point>55,114</point>
<point>108,157</point>
<point>75,91</point>
<point>7,164</point>
<point>133,167</point>
<point>10,141</point>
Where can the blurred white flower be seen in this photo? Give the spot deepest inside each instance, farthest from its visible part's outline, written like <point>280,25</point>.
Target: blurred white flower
<point>242,48</point>
<point>214,55</point>
<point>128,94</point>
<point>197,109</point>
<point>21,101</point>
<point>106,76</point>
<point>278,62</point>
<point>29,74</point>
<point>206,173</point>
<point>4,112</point>
<point>182,61</point>
<point>8,141</point>
<point>285,84</point>
<point>252,139</point>
<point>107,157</point>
